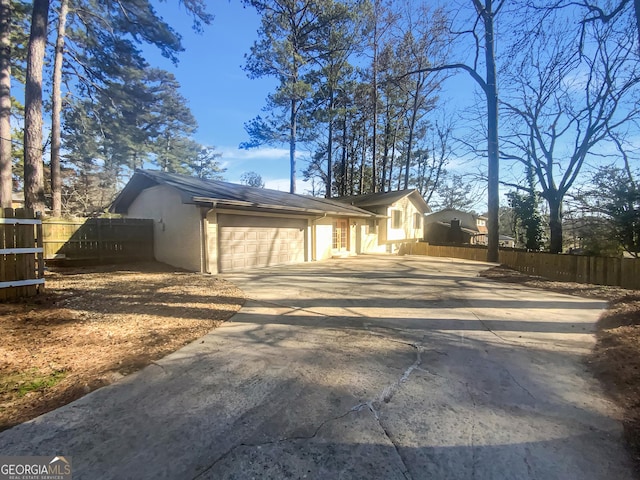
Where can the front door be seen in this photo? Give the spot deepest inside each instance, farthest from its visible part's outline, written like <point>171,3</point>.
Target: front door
<point>340,235</point>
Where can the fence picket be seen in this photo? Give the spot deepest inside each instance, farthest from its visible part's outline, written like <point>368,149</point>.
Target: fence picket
<point>97,240</point>
<point>623,272</point>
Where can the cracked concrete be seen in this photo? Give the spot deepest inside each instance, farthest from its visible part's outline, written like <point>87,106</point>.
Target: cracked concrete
<point>369,367</point>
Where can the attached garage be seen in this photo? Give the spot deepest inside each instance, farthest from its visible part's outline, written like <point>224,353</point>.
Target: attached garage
<point>213,226</point>
<point>247,241</point>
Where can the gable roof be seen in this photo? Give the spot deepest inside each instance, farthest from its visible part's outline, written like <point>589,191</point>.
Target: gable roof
<point>198,191</point>
<point>383,199</point>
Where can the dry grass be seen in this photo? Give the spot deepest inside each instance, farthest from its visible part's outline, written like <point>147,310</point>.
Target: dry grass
<point>94,325</point>
<point>616,358</point>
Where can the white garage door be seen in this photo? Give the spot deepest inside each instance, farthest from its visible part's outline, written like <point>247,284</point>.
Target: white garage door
<point>247,241</point>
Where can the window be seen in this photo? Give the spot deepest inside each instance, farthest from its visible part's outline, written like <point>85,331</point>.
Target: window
<point>396,219</point>
<point>417,221</point>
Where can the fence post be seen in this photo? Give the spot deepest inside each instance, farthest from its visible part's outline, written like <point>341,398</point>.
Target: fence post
<point>40,255</point>
<point>3,258</point>
<point>10,259</point>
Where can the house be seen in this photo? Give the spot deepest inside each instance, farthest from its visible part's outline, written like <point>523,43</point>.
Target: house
<point>506,241</point>
<point>212,226</point>
<point>404,212</point>
<point>455,226</point>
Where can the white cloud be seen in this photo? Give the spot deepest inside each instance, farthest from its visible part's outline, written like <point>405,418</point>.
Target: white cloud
<point>260,153</point>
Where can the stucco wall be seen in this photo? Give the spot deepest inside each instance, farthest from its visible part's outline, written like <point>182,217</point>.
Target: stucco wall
<point>407,230</point>
<point>366,233</point>
<point>323,238</point>
<point>177,227</point>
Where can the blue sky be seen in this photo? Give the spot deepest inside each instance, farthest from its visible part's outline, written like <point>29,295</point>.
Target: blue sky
<point>223,98</point>
<point>220,94</point>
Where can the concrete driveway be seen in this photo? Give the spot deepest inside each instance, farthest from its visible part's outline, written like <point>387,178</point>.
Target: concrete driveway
<point>370,367</point>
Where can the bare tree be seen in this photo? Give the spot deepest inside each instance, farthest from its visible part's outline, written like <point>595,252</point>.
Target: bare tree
<point>433,171</point>
<point>481,30</point>
<point>569,92</point>
<point>424,43</point>
<point>606,14</point>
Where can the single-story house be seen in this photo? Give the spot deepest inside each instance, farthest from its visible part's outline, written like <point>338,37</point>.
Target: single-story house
<point>213,226</point>
<point>455,226</point>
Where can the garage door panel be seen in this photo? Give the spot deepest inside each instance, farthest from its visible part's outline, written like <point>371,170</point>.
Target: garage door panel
<point>258,241</point>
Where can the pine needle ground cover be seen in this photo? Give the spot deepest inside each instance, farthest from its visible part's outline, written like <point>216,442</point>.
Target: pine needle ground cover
<point>96,324</point>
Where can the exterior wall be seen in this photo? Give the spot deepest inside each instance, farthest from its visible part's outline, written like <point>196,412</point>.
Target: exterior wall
<point>366,236</point>
<point>323,231</point>
<point>437,233</point>
<point>407,230</point>
<point>363,238</point>
<point>177,227</point>
<point>212,242</point>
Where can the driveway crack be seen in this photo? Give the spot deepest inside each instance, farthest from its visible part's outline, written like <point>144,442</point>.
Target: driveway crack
<point>474,458</point>
<point>386,395</point>
<point>405,468</point>
<point>518,383</point>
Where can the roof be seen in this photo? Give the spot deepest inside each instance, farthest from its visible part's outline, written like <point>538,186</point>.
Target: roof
<point>467,219</point>
<point>386,198</point>
<point>198,191</point>
<point>464,229</point>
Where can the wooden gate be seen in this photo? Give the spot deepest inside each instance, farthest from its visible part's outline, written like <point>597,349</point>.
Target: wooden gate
<point>21,254</point>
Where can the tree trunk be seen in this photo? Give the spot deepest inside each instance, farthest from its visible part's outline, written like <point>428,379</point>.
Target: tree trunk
<point>555,224</point>
<point>412,127</point>
<point>385,155</point>
<point>374,72</point>
<point>364,156</point>
<point>493,200</point>
<point>343,164</point>
<point>292,147</point>
<point>56,107</point>
<point>33,167</point>
<point>393,155</point>
<point>5,104</point>
<point>330,148</point>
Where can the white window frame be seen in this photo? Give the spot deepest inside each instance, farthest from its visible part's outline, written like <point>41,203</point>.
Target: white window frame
<point>396,214</point>
<point>417,220</point>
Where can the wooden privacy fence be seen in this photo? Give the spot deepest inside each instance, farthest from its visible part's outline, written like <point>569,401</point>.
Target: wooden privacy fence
<point>622,272</point>
<point>21,252</point>
<point>97,240</point>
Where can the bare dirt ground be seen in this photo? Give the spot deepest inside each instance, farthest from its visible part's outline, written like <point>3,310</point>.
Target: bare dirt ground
<point>94,325</point>
<point>616,358</point>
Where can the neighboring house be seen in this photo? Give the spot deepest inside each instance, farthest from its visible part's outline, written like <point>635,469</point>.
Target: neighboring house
<point>213,226</point>
<point>455,226</point>
<point>17,200</point>
<point>506,241</point>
